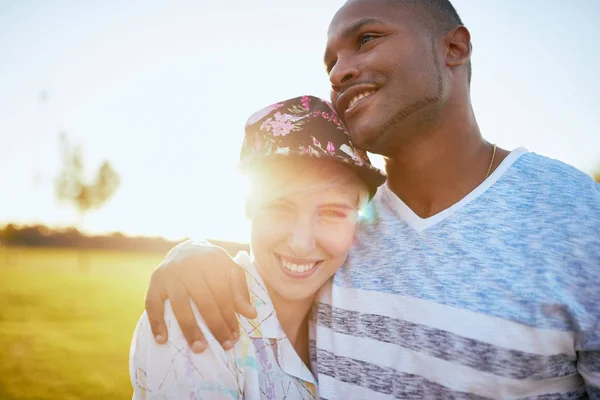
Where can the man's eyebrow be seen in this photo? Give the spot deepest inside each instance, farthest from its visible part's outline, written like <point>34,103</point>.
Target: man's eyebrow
<point>351,31</point>
<point>360,24</point>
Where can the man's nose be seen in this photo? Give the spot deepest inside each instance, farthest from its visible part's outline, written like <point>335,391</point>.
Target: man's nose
<point>343,72</point>
<point>302,239</point>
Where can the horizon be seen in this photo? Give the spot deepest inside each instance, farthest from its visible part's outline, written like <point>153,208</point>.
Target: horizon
<point>163,90</point>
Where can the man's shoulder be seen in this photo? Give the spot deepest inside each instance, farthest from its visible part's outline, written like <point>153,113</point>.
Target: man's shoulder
<point>535,168</point>
<point>547,184</point>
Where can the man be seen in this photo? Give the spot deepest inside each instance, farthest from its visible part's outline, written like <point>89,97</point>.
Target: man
<point>478,277</point>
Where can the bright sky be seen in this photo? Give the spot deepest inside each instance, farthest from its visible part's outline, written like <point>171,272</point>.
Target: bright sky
<point>162,89</point>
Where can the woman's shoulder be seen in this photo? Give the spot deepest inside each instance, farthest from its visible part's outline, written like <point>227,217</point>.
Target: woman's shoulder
<point>214,348</point>
<point>174,369</point>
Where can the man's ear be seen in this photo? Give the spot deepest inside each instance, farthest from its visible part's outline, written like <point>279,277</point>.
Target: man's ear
<point>458,47</point>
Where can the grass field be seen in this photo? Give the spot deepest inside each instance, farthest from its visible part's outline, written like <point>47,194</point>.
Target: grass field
<point>65,333</point>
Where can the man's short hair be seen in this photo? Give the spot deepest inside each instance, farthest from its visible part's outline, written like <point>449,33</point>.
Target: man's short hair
<point>439,16</point>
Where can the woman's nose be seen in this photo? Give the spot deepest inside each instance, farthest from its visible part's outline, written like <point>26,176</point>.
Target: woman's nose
<point>301,239</point>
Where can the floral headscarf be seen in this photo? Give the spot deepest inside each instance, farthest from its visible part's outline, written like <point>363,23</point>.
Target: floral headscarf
<point>305,126</point>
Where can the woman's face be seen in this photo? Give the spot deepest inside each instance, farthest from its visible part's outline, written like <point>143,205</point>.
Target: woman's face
<point>302,235</point>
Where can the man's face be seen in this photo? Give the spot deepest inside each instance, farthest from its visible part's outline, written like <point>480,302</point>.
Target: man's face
<point>385,74</point>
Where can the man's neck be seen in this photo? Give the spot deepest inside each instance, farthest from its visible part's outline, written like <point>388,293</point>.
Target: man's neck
<point>440,167</point>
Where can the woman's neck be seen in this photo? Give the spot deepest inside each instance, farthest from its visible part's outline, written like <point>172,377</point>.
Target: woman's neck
<point>293,317</point>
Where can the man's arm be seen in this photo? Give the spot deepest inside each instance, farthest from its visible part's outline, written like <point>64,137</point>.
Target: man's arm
<point>206,274</point>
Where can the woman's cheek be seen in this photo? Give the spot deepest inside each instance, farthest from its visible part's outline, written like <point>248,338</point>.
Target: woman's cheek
<point>266,234</point>
<point>338,243</point>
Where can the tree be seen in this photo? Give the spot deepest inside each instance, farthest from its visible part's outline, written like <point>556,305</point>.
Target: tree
<point>71,186</point>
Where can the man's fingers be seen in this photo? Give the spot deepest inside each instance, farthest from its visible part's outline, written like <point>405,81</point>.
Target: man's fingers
<point>208,308</point>
<point>177,293</point>
<point>239,290</point>
<point>155,310</point>
<point>181,276</point>
<point>221,292</point>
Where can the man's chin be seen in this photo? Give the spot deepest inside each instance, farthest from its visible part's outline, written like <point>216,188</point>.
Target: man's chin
<point>365,138</point>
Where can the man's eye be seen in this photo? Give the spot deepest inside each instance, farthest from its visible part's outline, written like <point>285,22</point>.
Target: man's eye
<point>364,39</point>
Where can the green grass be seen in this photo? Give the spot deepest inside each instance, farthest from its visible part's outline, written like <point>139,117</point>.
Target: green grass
<point>65,332</point>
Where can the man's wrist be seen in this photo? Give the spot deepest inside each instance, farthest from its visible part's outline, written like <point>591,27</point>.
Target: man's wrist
<point>186,249</point>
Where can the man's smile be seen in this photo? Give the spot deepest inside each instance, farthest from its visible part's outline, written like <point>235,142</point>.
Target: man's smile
<point>358,97</point>
<point>350,98</point>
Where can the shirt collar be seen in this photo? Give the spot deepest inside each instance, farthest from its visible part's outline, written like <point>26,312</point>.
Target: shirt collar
<point>266,325</point>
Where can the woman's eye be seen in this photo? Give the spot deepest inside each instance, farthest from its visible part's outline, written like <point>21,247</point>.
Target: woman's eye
<point>332,214</point>
<point>277,208</point>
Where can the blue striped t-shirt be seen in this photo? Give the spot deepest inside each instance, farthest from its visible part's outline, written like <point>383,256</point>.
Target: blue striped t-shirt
<point>496,297</point>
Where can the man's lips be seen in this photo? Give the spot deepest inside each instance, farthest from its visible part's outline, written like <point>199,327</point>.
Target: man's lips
<point>348,100</point>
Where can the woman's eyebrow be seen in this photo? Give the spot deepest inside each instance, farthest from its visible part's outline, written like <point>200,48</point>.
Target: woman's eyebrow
<point>337,205</point>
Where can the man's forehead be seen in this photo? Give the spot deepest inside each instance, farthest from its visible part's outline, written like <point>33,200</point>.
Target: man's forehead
<point>354,11</point>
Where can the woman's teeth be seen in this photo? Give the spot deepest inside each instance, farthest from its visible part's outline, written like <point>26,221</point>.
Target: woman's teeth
<point>297,267</point>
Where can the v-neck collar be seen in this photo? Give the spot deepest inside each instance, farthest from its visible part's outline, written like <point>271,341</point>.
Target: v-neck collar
<point>420,224</point>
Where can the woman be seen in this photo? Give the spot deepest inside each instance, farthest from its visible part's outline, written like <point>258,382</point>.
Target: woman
<point>307,185</point>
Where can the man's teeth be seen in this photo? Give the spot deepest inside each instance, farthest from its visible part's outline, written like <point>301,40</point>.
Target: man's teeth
<point>297,267</point>
<point>360,96</point>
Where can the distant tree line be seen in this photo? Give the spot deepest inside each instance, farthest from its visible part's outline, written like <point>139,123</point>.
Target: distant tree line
<point>42,236</point>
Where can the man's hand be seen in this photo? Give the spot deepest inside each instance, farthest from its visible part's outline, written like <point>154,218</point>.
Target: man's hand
<point>217,285</point>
